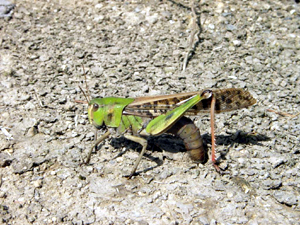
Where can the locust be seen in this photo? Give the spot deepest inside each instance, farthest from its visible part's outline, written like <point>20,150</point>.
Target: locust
<point>137,119</point>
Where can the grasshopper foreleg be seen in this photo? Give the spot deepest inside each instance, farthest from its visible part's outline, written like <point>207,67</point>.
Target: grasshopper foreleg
<point>142,142</point>
<point>104,136</point>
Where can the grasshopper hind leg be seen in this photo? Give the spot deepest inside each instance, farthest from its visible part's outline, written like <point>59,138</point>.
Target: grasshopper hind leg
<point>144,144</point>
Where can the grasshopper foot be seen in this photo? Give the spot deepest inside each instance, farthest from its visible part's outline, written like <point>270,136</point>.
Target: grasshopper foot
<point>218,169</point>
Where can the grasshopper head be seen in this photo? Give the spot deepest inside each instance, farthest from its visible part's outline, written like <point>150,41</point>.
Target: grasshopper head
<point>95,113</point>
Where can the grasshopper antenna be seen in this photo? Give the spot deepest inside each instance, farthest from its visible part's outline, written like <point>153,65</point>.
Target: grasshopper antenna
<point>87,90</point>
<point>87,99</point>
<point>86,87</point>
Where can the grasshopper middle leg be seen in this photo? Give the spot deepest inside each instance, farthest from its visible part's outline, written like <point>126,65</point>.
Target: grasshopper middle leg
<point>144,144</point>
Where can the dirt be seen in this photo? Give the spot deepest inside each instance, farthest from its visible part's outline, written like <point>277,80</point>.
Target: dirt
<point>138,48</point>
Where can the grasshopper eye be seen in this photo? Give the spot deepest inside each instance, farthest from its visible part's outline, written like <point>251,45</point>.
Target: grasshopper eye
<point>95,107</point>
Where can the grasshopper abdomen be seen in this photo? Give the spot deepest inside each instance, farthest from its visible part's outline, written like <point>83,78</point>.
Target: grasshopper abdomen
<point>191,137</point>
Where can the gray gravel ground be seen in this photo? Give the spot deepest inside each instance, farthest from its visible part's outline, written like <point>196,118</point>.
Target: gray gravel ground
<point>137,48</point>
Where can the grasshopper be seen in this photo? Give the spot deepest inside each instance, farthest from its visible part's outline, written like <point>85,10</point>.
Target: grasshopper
<point>139,118</point>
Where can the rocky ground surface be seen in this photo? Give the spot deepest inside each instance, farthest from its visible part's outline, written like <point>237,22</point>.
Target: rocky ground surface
<point>138,48</point>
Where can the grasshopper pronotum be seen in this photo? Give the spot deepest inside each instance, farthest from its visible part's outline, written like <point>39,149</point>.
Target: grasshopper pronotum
<point>126,116</point>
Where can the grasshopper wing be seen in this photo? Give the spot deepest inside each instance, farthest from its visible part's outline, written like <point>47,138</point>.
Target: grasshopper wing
<point>227,99</point>
<point>163,122</point>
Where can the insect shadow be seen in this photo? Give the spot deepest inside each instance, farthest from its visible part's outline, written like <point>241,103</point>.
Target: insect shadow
<point>239,137</point>
<point>172,144</point>
<point>121,142</point>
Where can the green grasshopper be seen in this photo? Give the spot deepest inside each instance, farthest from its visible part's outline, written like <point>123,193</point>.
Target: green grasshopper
<point>139,118</point>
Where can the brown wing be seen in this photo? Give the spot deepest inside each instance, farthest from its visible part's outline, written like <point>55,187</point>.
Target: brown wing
<point>226,100</point>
